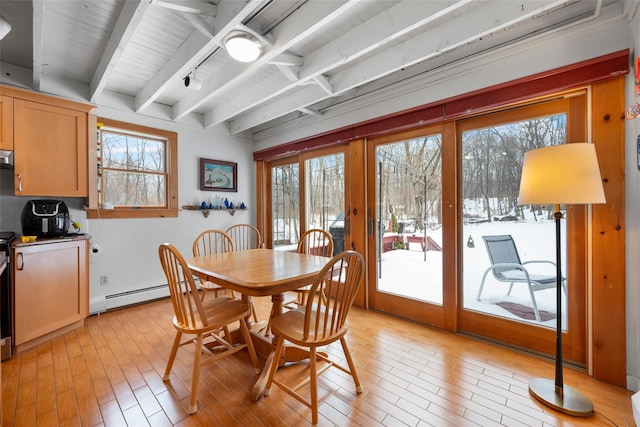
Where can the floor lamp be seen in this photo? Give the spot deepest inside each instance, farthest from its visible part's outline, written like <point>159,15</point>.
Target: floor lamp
<point>561,174</point>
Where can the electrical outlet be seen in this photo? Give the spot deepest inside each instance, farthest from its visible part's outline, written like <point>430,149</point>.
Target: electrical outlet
<point>104,280</point>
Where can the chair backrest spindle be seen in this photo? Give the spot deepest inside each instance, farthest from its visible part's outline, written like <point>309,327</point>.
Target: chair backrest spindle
<point>212,242</point>
<point>184,293</point>
<point>245,236</point>
<point>316,242</point>
<point>339,280</point>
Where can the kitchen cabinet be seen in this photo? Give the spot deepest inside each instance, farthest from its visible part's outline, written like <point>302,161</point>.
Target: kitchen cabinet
<point>51,141</point>
<point>50,287</point>
<point>6,123</point>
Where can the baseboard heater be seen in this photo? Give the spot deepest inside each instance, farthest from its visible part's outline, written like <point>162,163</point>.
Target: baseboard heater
<point>104,303</point>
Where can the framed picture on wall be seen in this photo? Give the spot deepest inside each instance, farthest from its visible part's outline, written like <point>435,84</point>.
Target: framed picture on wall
<point>218,175</point>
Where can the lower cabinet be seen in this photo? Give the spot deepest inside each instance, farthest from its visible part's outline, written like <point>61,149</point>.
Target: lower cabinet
<point>51,287</point>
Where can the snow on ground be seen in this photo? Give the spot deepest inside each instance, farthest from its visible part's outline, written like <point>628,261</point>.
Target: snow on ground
<point>407,273</point>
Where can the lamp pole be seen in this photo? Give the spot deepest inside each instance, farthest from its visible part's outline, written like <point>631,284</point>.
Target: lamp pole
<point>554,393</point>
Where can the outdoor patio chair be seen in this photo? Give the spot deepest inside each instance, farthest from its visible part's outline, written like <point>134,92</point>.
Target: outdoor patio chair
<point>506,266</point>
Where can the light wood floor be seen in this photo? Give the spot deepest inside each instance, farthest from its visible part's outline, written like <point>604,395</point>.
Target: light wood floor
<point>109,373</point>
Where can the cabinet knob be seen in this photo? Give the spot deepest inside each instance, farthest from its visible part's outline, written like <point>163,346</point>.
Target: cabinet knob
<point>20,261</point>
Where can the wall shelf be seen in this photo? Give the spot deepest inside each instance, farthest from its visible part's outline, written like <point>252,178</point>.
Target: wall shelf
<point>207,211</point>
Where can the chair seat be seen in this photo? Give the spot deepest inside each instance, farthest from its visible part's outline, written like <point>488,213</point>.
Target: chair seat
<point>519,276</point>
<point>506,266</point>
<point>291,326</point>
<point>219,312</point>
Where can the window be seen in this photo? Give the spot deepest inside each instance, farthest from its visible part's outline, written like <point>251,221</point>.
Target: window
<point>137,174</point>
<point>285,204</point>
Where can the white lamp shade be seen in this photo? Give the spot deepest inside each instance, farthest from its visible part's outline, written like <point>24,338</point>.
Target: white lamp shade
<point>243,47</point>
<point>561,174</point>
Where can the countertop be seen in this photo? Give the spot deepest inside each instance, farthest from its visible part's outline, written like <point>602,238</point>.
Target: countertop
<point>17,243</point>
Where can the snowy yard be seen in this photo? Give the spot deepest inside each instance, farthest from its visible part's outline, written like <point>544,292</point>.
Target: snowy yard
<point>405,272</point>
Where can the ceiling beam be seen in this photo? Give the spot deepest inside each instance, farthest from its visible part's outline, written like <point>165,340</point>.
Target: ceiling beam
<point>229,14</point>
<point>126,25</point>
<point>373,34</point>
<point>462,29</point>
<point>188,6</point>
<point>38,40</point>
<point>304,22</point>
<point>200,24</point>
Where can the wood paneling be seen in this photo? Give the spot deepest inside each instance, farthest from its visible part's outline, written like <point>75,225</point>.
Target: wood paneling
<point>608,234</point>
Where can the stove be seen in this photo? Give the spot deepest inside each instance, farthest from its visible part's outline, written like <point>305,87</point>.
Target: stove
<point>6,318</point>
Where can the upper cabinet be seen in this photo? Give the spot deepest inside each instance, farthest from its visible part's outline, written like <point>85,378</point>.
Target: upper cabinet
<point>6,123</point>
<point>51,142</point>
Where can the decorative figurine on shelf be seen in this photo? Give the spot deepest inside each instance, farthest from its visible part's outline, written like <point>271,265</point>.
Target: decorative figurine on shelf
<point>210,205</point>
<point>242,206</point>
<point>216,202</point>
<point>226,203</point>
<point>203,205</point>
<point>231,205</point>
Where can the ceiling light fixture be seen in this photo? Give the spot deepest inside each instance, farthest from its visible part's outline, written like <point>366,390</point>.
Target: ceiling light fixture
<point>5,27</point>
<point>243,47</point>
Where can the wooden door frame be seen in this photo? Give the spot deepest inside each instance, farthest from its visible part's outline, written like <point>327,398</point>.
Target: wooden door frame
<point>441,316</point>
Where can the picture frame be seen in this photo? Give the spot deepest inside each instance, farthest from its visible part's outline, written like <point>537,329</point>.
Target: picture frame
<point>218,175</point>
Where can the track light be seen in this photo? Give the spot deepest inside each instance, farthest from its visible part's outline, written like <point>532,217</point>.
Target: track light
<point>192,82</point>
<point>242,46</point>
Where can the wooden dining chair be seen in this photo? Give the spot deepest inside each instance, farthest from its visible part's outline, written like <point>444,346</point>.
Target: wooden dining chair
<point>212,242</point>
<point>202,319</point>
<point>314,241</point>
<point>318,323</point>
<point>245,236</point>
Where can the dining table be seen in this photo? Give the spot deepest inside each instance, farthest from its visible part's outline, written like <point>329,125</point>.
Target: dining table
<point>258,273</point>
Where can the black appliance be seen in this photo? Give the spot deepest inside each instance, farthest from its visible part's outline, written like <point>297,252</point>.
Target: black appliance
<point>6,318</point>
<point>45,218</point>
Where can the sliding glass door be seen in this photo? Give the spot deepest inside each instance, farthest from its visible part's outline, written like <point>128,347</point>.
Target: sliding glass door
<point>435,199</point>
<point>307,192</point>
<point>508,285</point>
<point>406,244</point>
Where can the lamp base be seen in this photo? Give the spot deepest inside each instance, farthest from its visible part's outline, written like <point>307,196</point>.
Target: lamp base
<point>571,402</point>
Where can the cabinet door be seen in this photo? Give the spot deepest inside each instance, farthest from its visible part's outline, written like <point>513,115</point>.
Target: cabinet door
<point>50,150</point>
<point>50,288</point>
<point>6,123</point>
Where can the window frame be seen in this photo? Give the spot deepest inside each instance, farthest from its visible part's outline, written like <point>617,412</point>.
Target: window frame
<point>170,210</point>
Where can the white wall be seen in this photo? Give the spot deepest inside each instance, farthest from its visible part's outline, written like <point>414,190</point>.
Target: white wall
<point>129,247</point>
